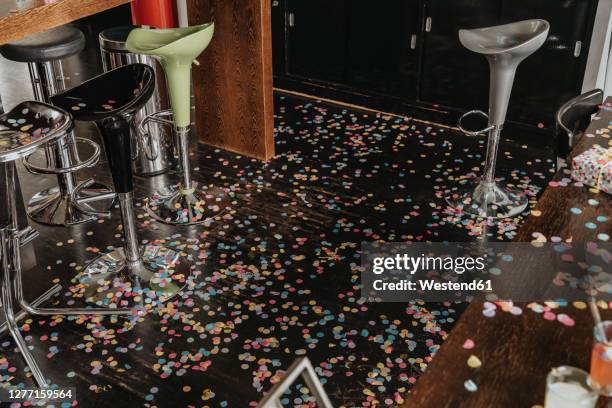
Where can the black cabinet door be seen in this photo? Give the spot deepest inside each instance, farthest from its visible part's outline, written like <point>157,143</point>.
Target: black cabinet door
<point>450,74</point>
<point>553,74</point>
<point>316,39</point>
<point>278,36</point>
<point>383,48</point>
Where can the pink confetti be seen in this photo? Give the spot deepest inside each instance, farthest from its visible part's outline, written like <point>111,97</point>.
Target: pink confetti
<point>468,344</point>
<point>565,320</point>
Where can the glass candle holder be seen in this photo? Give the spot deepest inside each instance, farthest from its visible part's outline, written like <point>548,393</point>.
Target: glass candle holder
<point>601,358</point>
<point>569,387</point>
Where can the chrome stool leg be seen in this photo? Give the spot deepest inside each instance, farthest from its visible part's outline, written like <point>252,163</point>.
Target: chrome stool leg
<point>185,203</point>
<point>26,232</point>
<point>10,252</point>
<point>62,204</point>
<point>22,314</point>
<point>158,272</point>
<point>9,315</point>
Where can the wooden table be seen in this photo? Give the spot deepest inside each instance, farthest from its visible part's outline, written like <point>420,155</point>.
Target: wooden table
<point>233,85</point>
<point>517,352</point>
<point>20,18</point>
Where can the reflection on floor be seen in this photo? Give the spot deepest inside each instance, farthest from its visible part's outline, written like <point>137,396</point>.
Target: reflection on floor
<point>278,276</point>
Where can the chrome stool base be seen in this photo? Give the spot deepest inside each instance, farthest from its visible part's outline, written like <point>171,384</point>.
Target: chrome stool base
<point>487,200</point>
<point>159,275</point>
<point>177,206</point>
<point>51,207</point>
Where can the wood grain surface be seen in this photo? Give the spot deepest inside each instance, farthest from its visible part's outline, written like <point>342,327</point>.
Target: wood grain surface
<point>233,84</point>
<point>34,16</point>
<point>517,352</point>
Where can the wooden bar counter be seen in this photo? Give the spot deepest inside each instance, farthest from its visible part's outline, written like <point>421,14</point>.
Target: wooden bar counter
<point>517,352</point>
<point>233,84</point>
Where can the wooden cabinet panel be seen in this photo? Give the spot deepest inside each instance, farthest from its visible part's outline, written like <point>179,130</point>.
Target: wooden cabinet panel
<point>278,36</point>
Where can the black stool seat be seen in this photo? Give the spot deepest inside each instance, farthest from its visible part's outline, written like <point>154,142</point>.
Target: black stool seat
<point>54,44</point>
<point>106,100</point>
<point>120,91</point>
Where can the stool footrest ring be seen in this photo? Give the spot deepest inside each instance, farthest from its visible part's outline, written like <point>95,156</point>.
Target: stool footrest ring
<point>79,201</point>
<point>475,132</point>
<point>91,161</point>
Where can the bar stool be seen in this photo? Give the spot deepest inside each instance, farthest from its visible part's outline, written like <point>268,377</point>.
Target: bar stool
<point>22,130</point>
<point>504,47</point>
<point>572,118</point>
<point>152,137</point>
<point>177,49</point>
<point>70,202</point>
<point>157,271</point>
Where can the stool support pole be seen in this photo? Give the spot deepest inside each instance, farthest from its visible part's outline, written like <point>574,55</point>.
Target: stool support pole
<point>47,80</point>
<point>182,133</point>
<point>7,307</point>
<point>488,177</point>
<point>126,204</point>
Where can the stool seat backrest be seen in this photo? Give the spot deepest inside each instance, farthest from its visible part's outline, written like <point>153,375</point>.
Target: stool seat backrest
<point>574,117</point>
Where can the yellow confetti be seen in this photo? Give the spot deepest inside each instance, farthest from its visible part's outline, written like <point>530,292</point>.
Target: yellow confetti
<point>474,362</point>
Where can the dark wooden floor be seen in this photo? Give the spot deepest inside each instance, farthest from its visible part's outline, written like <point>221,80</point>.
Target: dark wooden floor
<point>278,276</point>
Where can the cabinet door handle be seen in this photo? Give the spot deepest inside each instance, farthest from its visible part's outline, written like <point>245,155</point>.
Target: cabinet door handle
<point>291,19</point>
<point>428,24</point>
<point>413,42</point>
<point>577,49</point>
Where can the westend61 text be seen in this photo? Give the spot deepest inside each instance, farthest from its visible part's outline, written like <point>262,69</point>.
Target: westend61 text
<point>429,285</point>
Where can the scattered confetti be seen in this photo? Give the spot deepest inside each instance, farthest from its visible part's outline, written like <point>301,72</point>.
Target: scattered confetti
<point>474,362</point>
<point>470,386</point>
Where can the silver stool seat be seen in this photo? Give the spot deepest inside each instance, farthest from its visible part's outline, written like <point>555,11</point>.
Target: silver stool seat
<point>504,47</point>
<point>24,129</point>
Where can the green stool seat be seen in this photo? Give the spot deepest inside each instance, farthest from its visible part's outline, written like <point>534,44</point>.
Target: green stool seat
<point>177,49</point>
